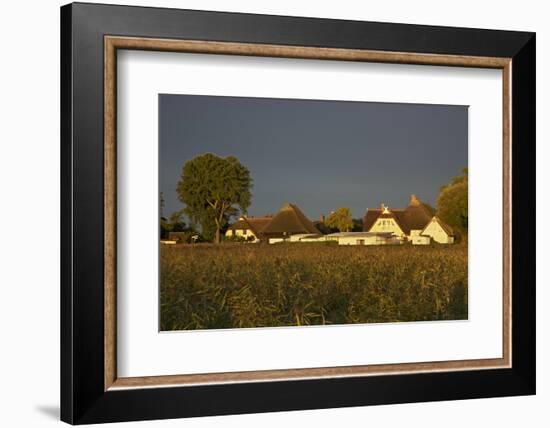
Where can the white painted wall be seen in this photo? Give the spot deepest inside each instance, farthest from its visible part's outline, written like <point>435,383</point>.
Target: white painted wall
<point>351,240</point>
<point>361,240</point>
<point>297,237</point>
<point>420,240</point>
<point>30,91</point>
<point>387,225</point>
<point>313,239</point>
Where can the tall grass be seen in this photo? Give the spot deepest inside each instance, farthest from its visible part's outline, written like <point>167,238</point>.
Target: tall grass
<point>251,285</point>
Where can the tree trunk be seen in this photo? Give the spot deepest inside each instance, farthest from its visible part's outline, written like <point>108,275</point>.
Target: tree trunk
<point>219,225</point>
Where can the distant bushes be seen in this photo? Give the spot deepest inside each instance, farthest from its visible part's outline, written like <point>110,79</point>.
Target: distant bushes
<point>237,238</point>
<point>207,286</point>
<point>182,237</point>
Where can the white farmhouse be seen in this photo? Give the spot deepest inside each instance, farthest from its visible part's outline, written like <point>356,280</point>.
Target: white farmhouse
<point>417,223</point>
<point>249,228</point>
<point>288,225</point>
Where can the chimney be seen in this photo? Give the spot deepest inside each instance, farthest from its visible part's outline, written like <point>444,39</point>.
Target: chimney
<point>322,218</point>
<point>414,200</point>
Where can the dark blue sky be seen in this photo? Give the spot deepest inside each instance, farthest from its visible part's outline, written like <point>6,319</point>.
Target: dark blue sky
<point>320,155</point>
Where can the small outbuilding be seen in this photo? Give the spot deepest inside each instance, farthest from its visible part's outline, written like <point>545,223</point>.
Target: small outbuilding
<point>439,231</point>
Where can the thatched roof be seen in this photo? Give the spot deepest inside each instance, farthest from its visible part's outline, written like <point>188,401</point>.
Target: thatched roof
<point>256,224</point>
<point>288,221</point>
<point>415,217</point>
<point>370,218</point>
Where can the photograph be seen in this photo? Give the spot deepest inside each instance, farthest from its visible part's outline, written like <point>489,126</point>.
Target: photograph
<point>295,212</point>
<point>266,211</point>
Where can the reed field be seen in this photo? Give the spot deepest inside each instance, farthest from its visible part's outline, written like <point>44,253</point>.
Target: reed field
<point>208,286</point>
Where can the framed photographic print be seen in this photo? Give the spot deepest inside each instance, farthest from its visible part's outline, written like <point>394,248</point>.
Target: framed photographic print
<point>265,213</point>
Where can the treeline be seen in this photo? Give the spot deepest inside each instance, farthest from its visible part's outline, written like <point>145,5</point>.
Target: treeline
<point>175,228</point>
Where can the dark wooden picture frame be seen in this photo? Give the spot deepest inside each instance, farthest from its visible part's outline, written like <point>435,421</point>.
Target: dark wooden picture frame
<point>90,389</point>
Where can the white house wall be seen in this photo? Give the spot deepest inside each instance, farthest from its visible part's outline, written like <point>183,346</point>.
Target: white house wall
<point>421,240</point>
<point>387,225</point>
<point>361,240</point>
<point>319,239</point>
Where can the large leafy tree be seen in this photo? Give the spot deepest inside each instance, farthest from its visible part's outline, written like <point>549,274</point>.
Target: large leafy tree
<point>452,203</point>
<point>340,219</point>
<point>213,189</point>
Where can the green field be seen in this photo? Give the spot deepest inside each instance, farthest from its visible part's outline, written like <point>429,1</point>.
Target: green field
<point>207,286</point>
